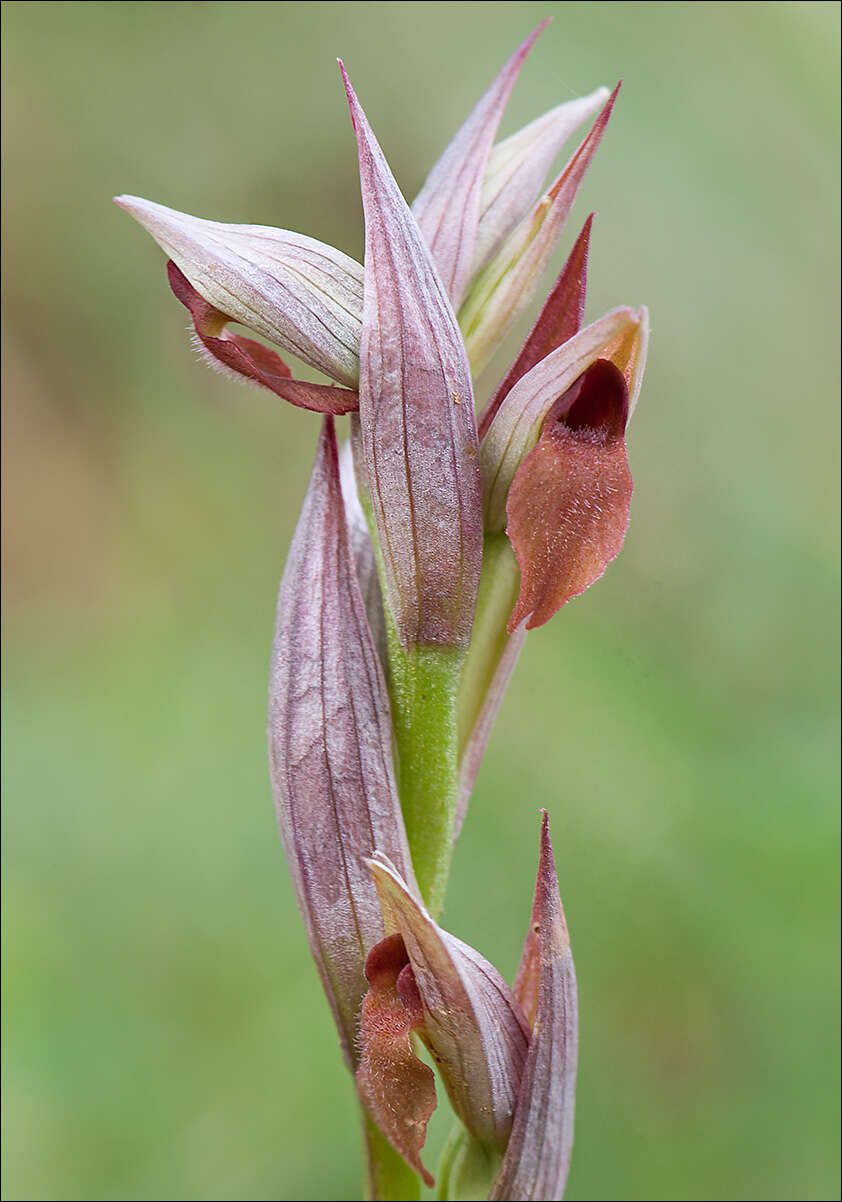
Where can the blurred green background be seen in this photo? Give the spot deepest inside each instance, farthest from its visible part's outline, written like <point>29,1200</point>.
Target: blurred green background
<point>165,1033</point>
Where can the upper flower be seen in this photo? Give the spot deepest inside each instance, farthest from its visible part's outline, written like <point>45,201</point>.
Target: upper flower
<point>471,250</point>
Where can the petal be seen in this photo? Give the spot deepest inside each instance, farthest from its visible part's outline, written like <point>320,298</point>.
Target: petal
<point>251,360</point>
<point>569,503</point>
<point>293,290</point>
<point>505,287</point>
<point>472,1023</point>
<point>517,167</point>
<point>537,1158</point>
<point>517,424</point>
<point>560,318</point>
<point>417,420</point>
<point>447,208</point>
<point>397,1088</point>
<point>330,746</point>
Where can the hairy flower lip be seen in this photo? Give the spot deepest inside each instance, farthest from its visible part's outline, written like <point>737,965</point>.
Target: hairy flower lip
<point>394,1085</point>
<point>568,506</point>
<point>299,293</point>
<point>245,359</point>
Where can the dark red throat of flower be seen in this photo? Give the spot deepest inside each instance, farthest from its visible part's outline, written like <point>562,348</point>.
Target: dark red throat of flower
<point>397,1088</point>
<point>568,507</point>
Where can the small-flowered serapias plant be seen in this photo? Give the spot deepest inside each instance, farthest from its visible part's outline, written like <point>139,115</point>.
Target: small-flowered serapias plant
<point>425,550</point>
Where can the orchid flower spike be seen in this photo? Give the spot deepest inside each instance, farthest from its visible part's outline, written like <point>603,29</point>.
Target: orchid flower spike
<point>424,551</point>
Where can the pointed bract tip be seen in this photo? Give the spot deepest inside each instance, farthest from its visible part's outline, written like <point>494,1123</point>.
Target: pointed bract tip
<point>354,105</point>
<point>349,91</point>
<point>156,219</point>
<point>609,104</point>
<point>516,59</point>
<point>133,205</point>
<point>607,110</point>
<point>598,127</point>
<point>527,44</point>
<point>546,856</point>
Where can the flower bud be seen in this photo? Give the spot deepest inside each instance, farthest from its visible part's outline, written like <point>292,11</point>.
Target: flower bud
<point>516,170</point>
<point>448,207</point>
<point>500,293</point>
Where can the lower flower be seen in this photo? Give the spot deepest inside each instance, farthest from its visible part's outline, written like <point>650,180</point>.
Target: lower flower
<point>507,1057</point>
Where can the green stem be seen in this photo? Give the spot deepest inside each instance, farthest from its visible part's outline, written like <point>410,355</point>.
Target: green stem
<point>387,1176</point>
<point>424,687</point>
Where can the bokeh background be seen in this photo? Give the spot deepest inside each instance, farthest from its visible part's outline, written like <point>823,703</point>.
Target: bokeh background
<point>165,1034</point>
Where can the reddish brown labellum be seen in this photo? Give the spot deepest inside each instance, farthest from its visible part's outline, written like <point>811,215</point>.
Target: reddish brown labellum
<point>397,1088</point>
<point>568,507</point>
